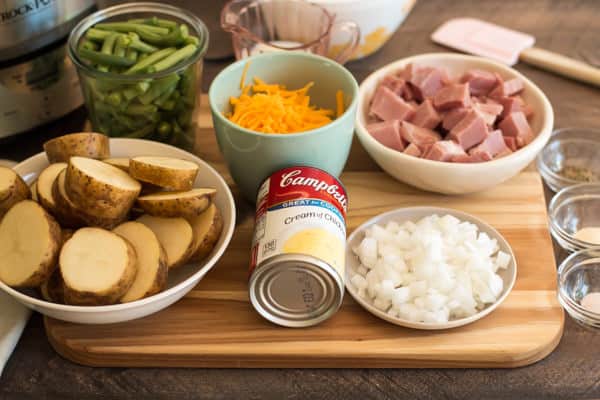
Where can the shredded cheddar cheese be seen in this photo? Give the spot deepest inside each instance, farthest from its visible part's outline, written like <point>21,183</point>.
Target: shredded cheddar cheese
<point>271,108</point>
<point>244,72</point>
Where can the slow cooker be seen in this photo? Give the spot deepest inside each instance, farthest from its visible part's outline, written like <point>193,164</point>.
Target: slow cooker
<point>38,83</point>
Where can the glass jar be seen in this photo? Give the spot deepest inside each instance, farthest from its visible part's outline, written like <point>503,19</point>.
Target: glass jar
<point>118,105</point>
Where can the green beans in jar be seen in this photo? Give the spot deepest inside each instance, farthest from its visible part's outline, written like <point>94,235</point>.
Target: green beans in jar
<point>140,77</point>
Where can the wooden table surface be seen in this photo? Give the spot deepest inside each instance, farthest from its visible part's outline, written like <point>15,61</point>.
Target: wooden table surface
<point>569,27</point>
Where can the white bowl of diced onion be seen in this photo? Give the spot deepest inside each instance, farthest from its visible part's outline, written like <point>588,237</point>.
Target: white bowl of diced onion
<point>429,267</point>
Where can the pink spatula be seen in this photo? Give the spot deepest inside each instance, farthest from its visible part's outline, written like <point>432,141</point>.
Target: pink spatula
<point>482,38</point>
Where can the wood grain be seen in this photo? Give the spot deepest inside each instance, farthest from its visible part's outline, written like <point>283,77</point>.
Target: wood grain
<point>215,325</point>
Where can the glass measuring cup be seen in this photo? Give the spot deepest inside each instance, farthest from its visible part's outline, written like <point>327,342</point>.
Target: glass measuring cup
<point>259,26</point>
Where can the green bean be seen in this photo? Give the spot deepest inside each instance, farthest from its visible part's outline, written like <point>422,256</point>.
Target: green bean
<point>109,43</point>
<point>140,109</point>
<point>105,59</point>
<point>176,37</point>
<point>192,40</point>
<point>165,23</point>
<point>131,54</point>
<point>149,36</point>
<point>88,44</point>
<point>130,27</point>
<point>141,133</point>
<point>158,87</point>
<point>168,105</point>
<point>137,44</point>
<point>151,59</point>
<point>164,130</point>
<point>121,45</point>
<point>97,35</point>
<point>176,57</point>
<point>167,94</point>
<point>114,99</point>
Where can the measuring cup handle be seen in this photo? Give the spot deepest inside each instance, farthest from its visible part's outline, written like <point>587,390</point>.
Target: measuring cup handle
<point>350,47</point>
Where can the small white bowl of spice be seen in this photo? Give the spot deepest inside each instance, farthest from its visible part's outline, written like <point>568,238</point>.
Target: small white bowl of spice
<point>579,286</point>
<point>570,158</point>
<point>574,215</point>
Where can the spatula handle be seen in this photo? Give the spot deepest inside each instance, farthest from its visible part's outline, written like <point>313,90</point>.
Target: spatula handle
<point>561,65</point>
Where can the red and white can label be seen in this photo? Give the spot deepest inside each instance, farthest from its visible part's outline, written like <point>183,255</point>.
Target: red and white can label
<point>301,210</point>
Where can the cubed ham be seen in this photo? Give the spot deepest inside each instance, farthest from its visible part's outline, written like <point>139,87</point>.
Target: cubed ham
<point>453,117</point>
<point>511,142</point>
<point>427,81</point>
<point>470,131</point>
<point>473,158</point>
<point>406,72</point>
<point>488,111</point>
<point>387,106</point>
<point>408,93</point>
<point>426,116</point>
<point>413,150</point>
<point>507,88</point>
<point>387,133</point>
<point>516,125</point>
<point>452,96</point>
<point>420,137</point>
<point>393,83</point>
<point>444,150</point>
<point>510,105</point>
<point>493,144</point>
<point>480,82</point>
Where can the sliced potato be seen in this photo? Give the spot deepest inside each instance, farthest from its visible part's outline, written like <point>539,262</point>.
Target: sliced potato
<point>121,163</point>
<point>98,267</point>
<point>45,183</point>
<point>52,289</point>
<point>207,229</point>
<point>84,144</point>
<point>12,189</point>
<point>177,204</point>
<point>29,244</point>
<point>165,172</point>
<point>151,276</point>
<point>175,235</point>
<point>100,189</point>
<point>70,215</point>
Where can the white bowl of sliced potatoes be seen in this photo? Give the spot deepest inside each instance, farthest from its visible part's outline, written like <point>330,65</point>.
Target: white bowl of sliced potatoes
<point>97,230</point>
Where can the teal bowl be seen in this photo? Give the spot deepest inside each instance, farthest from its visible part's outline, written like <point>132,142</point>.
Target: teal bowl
<point>252,156</point>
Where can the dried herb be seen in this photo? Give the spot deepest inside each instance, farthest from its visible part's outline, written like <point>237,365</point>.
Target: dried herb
<point>580,174</point>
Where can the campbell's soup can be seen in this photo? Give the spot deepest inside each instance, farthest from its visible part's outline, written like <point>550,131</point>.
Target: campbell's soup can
<point>298,252</point>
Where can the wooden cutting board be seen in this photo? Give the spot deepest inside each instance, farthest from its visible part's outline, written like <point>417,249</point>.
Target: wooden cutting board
<point>216,326</point>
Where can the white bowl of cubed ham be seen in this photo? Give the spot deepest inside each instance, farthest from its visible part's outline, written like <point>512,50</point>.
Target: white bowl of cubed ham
<point>452,123</point>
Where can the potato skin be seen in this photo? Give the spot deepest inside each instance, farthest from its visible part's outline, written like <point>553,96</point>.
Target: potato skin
<point>15,193</point>
<point>187,207</point>
<point>160,283</point>
<point>109,296</point>
<point>48,262</point>
<point>97,198</point>
<point>71,216</point>
<point>52,290</point>
<point>84,144</point>
<point>204,247</point>
<point>162,177</point>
